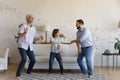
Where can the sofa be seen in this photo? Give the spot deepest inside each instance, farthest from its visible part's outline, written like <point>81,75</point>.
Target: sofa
<point>69,55</point>
<point>4,58</point>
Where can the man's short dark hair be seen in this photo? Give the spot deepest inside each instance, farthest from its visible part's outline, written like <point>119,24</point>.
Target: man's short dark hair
<point>80,21</point>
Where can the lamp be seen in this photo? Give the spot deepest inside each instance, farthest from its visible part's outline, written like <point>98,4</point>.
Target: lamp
<point>119,24</point>
<point>46,28</point>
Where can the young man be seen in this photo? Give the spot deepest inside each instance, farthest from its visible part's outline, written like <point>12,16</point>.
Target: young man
<point>26,34</point>
<point>84,39</point>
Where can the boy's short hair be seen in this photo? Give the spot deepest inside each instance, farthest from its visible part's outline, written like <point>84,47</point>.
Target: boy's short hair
<point>55,31</point>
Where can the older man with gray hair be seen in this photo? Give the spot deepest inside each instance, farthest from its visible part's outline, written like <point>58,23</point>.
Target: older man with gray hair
<point>26,34</point>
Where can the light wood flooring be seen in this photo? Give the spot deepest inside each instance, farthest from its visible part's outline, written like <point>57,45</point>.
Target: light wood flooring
<point>113,74</point>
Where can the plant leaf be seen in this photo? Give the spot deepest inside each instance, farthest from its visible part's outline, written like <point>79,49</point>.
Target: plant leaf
<point>117,39</point>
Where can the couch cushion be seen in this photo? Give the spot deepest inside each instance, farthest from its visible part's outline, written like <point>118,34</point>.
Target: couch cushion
<point>2,60</point>
<point>46,59</point>
<point>2,52</point>
<point>41,49</point>
<point>66,50</point>
<point>69,59</point>
<point>42,59</point>
<point>69,50</point>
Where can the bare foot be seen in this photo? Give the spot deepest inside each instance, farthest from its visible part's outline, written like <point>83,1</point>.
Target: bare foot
<point>49,73</point>
<point>18,78</point>
<point>90,76</point>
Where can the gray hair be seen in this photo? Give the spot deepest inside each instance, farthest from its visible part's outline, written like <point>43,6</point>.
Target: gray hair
<point>28,16</point>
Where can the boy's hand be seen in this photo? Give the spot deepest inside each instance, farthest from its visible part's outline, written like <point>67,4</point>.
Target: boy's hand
<point>58,46</point>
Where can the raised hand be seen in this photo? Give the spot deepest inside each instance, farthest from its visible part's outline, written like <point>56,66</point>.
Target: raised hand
<point>40,38</point>
<point>24,33</point>
<point>26,30</point>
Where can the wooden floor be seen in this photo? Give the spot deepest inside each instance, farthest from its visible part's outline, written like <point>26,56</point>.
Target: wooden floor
<point>112,74</point>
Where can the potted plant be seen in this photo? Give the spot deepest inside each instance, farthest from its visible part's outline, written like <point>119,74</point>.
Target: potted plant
<point>16,37</point>
<point>117,45</point>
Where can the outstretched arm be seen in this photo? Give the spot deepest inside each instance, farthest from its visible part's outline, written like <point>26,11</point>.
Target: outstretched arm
<point>75,41</point>
<point>38,38</point>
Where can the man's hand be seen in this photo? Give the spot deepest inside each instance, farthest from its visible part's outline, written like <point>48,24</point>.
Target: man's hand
<point>24,33</point>
<point>75,41</point>
<point>72,41</point>
<point>26,30</point>
<point>79,50</point>
<point>40,38</point>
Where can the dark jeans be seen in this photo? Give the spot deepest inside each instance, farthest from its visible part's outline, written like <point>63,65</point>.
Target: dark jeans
<point>51,61</point>
<point>24,53</point>
<point>87,53</point>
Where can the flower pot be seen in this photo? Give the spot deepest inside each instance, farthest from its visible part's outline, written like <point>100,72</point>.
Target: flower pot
<point>62,39</point>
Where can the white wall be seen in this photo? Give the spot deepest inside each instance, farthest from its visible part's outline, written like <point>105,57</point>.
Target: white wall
<point>100,16</point>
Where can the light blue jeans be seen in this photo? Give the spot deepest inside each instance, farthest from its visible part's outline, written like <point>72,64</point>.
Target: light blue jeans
<point>87,53</point>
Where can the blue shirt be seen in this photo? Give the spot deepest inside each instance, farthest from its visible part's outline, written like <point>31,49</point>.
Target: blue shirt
<point>85,37</point>
<point>54,47</point>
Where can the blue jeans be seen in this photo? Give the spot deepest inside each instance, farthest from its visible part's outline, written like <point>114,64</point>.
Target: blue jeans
<point>24,53</point>
<point>51,61</point>
<point>87,53</point>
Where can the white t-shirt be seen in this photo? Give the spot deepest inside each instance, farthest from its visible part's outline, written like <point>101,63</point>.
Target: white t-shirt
<point>27,40</point>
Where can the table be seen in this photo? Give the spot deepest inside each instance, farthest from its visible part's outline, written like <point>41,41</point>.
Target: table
<point>51,43</point>
<point>113,60</point>
<point>117,59</point>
